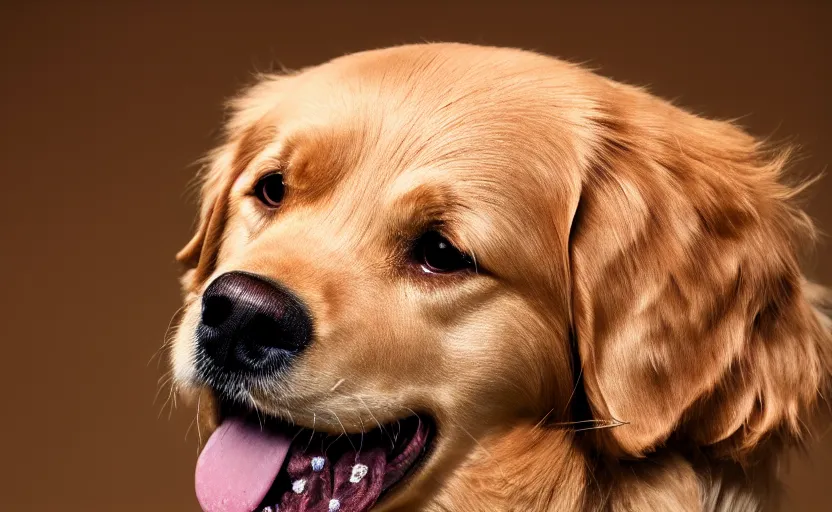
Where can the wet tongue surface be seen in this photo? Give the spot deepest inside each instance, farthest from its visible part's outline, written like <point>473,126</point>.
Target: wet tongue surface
<point>238,466</point>
<point>239,469</point>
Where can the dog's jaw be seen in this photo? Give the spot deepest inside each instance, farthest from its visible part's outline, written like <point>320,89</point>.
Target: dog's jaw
<point>525,468</point>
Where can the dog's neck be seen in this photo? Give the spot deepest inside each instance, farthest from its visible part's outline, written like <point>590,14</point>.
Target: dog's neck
<point>524,469</point>
<point>533,469</point>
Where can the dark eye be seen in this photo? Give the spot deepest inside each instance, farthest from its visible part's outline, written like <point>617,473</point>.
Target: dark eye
<point>436,254</point>
<point>270,189</point>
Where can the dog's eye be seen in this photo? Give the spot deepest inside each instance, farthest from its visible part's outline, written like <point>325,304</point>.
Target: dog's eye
<point>270,189</point>
<point>436,254</point>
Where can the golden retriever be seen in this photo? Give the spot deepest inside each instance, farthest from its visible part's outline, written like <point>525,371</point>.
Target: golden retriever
<point>447,277</point>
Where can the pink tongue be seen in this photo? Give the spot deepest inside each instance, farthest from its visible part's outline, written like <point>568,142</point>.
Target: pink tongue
<point>238,466</point>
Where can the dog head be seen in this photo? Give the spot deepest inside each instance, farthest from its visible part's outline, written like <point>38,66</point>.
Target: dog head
<point>469,237</point>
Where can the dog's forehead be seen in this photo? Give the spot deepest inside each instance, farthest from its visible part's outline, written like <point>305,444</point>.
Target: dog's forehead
<point>375,116</point>
<point>384,140</point>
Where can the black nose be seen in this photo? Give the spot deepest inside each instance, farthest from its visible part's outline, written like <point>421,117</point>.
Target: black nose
<point>250,325</point>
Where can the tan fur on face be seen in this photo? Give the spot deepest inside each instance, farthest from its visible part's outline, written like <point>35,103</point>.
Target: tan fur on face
<point>655,249</point>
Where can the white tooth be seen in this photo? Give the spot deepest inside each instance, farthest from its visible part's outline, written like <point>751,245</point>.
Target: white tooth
<point>334,505</point>
<point>299,485</point>
<point>359,471</point>
<point>268,509</point>
<point>318,463</point>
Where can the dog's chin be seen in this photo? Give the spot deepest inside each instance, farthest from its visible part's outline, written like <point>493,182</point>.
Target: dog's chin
<point>259,462</point>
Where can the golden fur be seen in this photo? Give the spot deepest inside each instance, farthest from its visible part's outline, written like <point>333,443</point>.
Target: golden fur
<point>639,335</point>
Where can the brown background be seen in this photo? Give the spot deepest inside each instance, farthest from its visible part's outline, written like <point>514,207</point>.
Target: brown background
<point>103,109</point>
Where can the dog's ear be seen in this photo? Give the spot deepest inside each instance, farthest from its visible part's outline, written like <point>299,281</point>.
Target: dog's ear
<point>246,133</point>
<point>224,167</point>
<point>689,309</point>
<point>199,254</point>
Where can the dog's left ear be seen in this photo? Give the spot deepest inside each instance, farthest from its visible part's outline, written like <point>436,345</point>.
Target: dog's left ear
<point>225,165</point>
<point>688,306</point>
<point>246,133</point>
<point>199,254</point>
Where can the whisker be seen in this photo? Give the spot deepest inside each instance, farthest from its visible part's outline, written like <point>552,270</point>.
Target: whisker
<point>415,414</point>
<point>312,434</point>
<point>171,395</point>
<point>174,403</point>
<point>256,411</point>
<point>190,426</point>
<point>198,430</point>
<point>168,377</point>
<point>580,422</point>
<point>361,444</point>
<point>392,443</point>
<point>544,418</point>
<point>165,338</point>
<point>295,436</point>
<point>601,425</point>
<point>342,428</point>
<point>574,388</point>
<point>330,444</point>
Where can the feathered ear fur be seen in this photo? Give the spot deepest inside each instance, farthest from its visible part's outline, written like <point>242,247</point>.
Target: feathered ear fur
<point>246,132</point>
<point>213,186</point>
<point>690,311</point>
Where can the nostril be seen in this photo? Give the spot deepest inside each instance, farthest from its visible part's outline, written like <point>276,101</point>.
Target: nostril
<point>215,310</point>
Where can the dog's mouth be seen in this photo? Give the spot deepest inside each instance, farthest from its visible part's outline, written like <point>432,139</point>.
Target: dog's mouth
<point>257,464</point>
